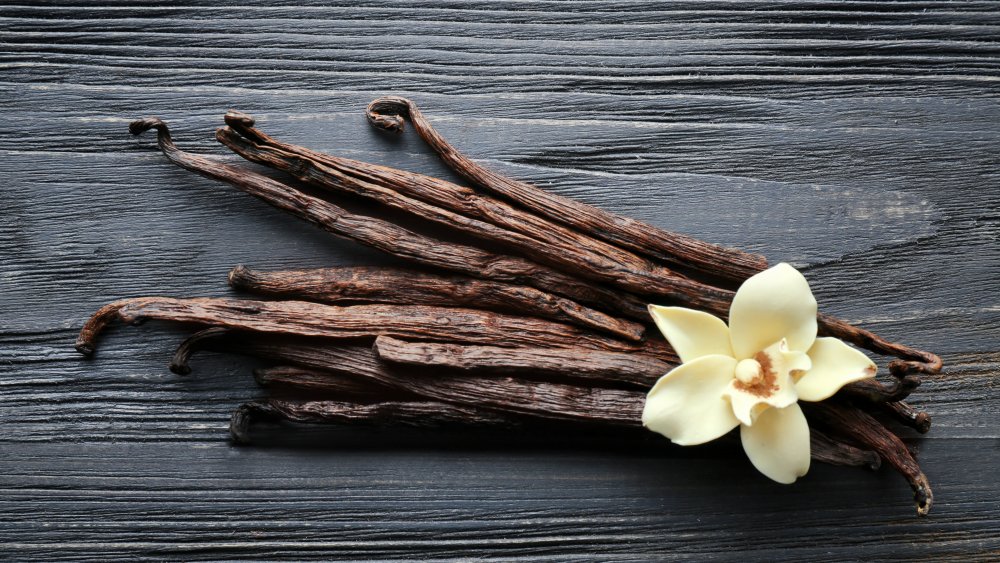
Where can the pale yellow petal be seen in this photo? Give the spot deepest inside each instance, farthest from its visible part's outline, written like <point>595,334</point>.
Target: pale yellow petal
<point>772,305</point>
<point>834,364</point>
<point>686,405</point>
<point>692,333</point>
<point>778,443</point>
<point>775,386</point>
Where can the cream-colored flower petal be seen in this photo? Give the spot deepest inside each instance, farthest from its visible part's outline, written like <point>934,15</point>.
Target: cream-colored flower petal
<point>772,305</point>
<point>834,364</point>
<point>692,333</point>
<point>778,443</point>
<point>766,380</point>
<point>686,405</point>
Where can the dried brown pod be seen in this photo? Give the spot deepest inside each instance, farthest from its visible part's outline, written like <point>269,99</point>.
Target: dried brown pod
<point>533,237</point>
<point>684,252</point>
<point>320,168</point>
<point>678,291</point>
<point>316,383</point>
<point>434,363</point>
<point>839,425</point>
<point>598,367</point>
<point>681,251</point>
<point>392,239</point>
<point>419,414</point>
<point>402,286</point>
<point>435,414</point>
<point>303,318</point>
<point>857,427</point>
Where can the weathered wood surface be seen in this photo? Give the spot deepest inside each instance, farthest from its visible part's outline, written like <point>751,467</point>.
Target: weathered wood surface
<point>858,140</point>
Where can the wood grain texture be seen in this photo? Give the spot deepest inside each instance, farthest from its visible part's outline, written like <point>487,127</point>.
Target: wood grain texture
<point>857,140</point>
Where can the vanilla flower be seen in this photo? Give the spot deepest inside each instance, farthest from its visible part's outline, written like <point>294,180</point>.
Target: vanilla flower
<point>751,373</point>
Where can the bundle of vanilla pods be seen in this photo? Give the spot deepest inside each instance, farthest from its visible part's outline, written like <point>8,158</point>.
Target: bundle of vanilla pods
<point>539,314</point>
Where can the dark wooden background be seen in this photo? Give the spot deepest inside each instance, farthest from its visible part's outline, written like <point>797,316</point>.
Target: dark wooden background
<point>857,140</point>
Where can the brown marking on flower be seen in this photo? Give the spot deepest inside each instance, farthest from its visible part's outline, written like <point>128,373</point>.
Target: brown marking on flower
<point>766,382</point>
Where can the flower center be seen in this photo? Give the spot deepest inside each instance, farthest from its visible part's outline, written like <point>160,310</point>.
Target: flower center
<point>757,375</point>
<point>748,371</point>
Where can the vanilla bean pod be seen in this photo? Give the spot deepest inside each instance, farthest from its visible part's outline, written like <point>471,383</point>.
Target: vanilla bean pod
<point>474,261</point>
<point>583,404</point>
<point>420,414</point>
<point>218,339</point>
<point>908,415</point>
<point>505,394</point>
<point>889,399</point>
<point>501,394</point>
<point>180,362</point>
<point>679,291</point>
<point>858,427</point>
<point>505,397</point>
<point>470,260</point>
<point>686,253</point>
<point>389,113</point>
<point>317,354</point>
<point>827,450</point>
<point>606,264</point>
<point>332,357</point>
<point>874,391</point>
<point>435,414</point>
<point>302,318</point>
<point>447,204</point>
<point>306,163</point>
<point>362,363</point>
<point>479,367</point>
<point>395,240</point>
<point>323,383</point>
<point>553,401</point>
<point>598,367</point>
<point>368,284</point>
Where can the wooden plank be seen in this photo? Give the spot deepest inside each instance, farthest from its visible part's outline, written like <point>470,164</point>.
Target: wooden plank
<point>857,140</point>
<point>178,501</point>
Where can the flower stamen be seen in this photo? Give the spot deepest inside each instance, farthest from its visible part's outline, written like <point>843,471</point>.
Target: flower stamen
<point>757,376</point>
<point>748,371</point>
